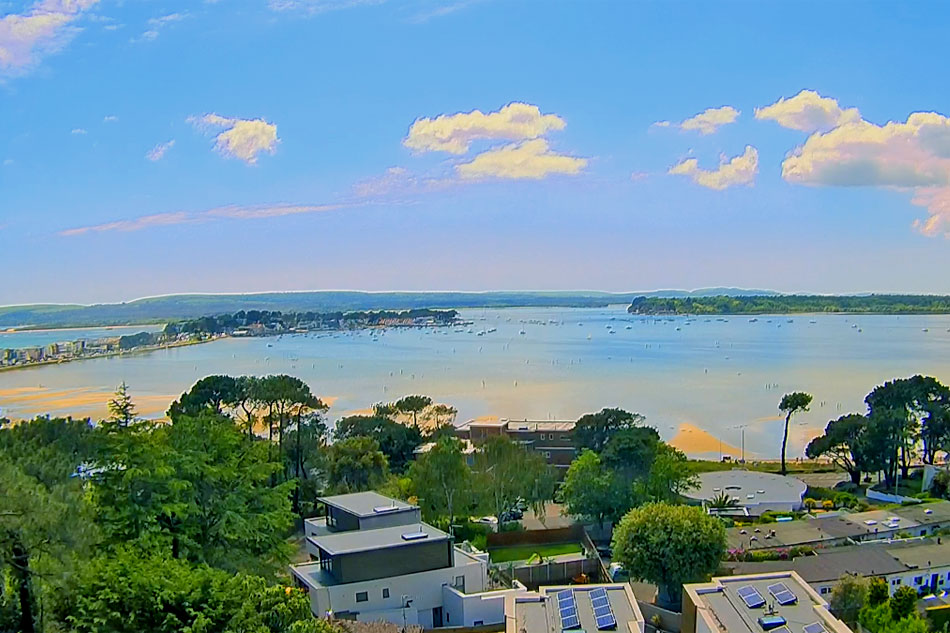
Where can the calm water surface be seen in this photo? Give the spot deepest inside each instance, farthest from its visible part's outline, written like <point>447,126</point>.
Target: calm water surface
<point>715,373</point>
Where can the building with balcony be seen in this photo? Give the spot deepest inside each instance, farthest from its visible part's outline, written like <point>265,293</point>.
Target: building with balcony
<point>373,559</point>
<point>552,439</point>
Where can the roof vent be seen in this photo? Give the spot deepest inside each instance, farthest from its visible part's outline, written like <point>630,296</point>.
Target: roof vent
<point>384,509</point>
<point>414,536</point>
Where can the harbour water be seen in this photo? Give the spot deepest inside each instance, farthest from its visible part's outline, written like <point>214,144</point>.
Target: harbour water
<point>688,375</point>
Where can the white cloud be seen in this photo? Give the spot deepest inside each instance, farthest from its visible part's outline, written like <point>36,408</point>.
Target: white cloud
<point>809,112</point>
<point>528,160</point>
<point>233,212</point>
<point>454,133</point>
<point>739,170</point>
<point>639,176</point>
<point>912,155</point>
<point>42,29</point>
<point>78,131</point>
<point>110,118</point>
<point>155,25</point>
<point>316,7</point>
<point>400,181</point>
<point>706,122</point>
<point>158,152</point>
<point>245,139</point>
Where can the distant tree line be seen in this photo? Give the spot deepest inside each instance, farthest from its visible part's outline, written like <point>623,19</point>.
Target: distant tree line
<point>316,320</point>
<point>786,304</point>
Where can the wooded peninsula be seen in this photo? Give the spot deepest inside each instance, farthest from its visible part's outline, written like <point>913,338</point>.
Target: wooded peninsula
<point>793,304</point>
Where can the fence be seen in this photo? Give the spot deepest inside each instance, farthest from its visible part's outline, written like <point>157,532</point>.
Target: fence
<point>571,534</point>
<point>551,572</point>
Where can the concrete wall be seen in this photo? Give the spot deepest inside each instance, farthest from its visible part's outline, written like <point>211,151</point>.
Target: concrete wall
<point>472,610</point>
<point>391,519</point>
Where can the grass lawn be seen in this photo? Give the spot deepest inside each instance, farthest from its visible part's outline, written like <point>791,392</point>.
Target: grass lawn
<point>524,552</point>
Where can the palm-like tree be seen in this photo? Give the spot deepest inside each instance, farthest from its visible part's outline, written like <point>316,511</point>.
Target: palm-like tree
<point>792,403</point>
<point>722,501</point>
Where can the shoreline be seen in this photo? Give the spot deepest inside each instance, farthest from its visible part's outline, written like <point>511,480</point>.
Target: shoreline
<point>134,350</point>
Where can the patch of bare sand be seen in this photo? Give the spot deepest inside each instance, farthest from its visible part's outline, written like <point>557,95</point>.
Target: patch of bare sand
<point>693,440</point>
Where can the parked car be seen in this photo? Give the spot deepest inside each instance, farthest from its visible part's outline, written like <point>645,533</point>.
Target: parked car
<point>617,572</point>
<point>511,515</point>
<point>490,521</point>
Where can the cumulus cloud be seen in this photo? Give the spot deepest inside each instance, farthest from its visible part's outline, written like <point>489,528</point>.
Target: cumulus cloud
<point>531,159</point>
<point>182,217</point>
<point>42,29</point>
<point>739,170</point>
<point>809,112</point>
<point>706,122</point>
<point>454,133</point>
<point>912,155</point>
<point>158,152</point>
<point>245,139</point>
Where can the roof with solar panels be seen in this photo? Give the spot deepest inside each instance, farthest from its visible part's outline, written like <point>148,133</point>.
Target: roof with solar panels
<point>779,602</point>
<point>575,609</point>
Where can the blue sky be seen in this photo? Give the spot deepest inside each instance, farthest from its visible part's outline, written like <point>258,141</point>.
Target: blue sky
<point>157,147</point>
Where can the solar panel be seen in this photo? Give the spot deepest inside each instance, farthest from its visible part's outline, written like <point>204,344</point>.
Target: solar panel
<point>570,623</point>
<point>782,629</point>
<point>598,592</point>
<point>746,591</point>
<point>566,595</point>
<point>817,627</point>
<point>567,606</point>
<point>782,594</point>
<point>777,587</point>
<point>600,602</point>
<point>599,611</point>
<point>752,598</point>
<point>567,610</point>
<point>606,622</point>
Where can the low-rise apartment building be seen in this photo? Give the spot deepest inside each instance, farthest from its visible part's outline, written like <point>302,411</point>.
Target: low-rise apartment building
<point>552,439</point>
<point>575,609</point>
<point>781,602</point>
<point>373,559</point>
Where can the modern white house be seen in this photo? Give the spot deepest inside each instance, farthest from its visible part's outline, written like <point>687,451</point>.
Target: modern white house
<point>373,559</point>
<point>604,608</point>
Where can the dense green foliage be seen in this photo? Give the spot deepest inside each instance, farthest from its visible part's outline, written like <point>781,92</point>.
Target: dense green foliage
<point>280,321</point>
<point>789,304</point>
<point>906,418</point>
<point>848,597</point>
<point>396,441</point>
<point>442,480</point>
<point>669,545</point>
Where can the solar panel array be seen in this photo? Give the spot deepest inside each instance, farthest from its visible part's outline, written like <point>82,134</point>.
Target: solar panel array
<point>603,614</point>
<point>751,596</point>
<point>567,607</point>
<point>782,594</point>
<point>817,627</point>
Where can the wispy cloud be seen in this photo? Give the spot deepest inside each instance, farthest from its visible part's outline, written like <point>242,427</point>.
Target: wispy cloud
<point>45,28</point>
<point>454,133</point>
<point>155,25</point>
<point>399,181</point>
<point>739,170</point>
<point>706,122</point>
<point>316,7</point>
<point>158,152</point>
<point>78,131</point>
<point>233,212</point>
<point>440,10</point>
<point>244,139</point>
<point>111,118</point>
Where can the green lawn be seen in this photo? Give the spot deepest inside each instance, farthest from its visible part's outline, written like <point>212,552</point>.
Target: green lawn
<point>524,552</point>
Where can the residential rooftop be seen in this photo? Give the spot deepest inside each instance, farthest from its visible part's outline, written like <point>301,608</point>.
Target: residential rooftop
<point>916,554</point>
<point>828,565</point>
<point>366,504</point>
<point>791,533</point>
<point>749,487</point>
<point>926,513</point>
<point>315,576</point>
<point>541,612</point>
<point>354,541</point>
<point>742,604</point>
<point>875,521</point>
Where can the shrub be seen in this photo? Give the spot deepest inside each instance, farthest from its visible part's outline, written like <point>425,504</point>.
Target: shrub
<point>810,503</point>
<point>828,504</point>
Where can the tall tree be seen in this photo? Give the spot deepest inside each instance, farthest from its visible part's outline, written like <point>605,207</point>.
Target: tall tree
<point>630,452</point>
<point>841,443</point>
<point>442,480</point>
<point>896,405</point>
<point>594,430</point>
<point>396,441</point>
<point>505,471</point>
<point>412,405</point>
<point>668,546</point>
<point>792,403</point>
<point>356,464</point>
<point>211,392</point>
<point>670,476</point>
<point>847,598</point>
<point>121,408</point>
<point>592,491</point>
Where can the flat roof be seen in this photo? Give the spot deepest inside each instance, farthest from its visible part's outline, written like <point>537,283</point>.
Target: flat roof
<point>921,555</point>
<point>788,533</point>
<point>750,487</point>
<point>540,613</point>
<point>874,521</point>
<point>720,602</point>
<point>926,513</point>
<point>829,565</point>
<point>547,425</point>
<point>383,538</point>
<point>366,504</point>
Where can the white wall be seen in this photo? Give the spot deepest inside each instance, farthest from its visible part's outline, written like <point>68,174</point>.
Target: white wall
<point>475,609</point>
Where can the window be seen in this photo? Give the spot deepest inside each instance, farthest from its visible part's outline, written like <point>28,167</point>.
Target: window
<point>385,592</point>
<point>460,582</point>
<point>824,590</point>
<point>897,581</point>
<point>362,596</point>
<point>478,623</point>
<point>918,580</point>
